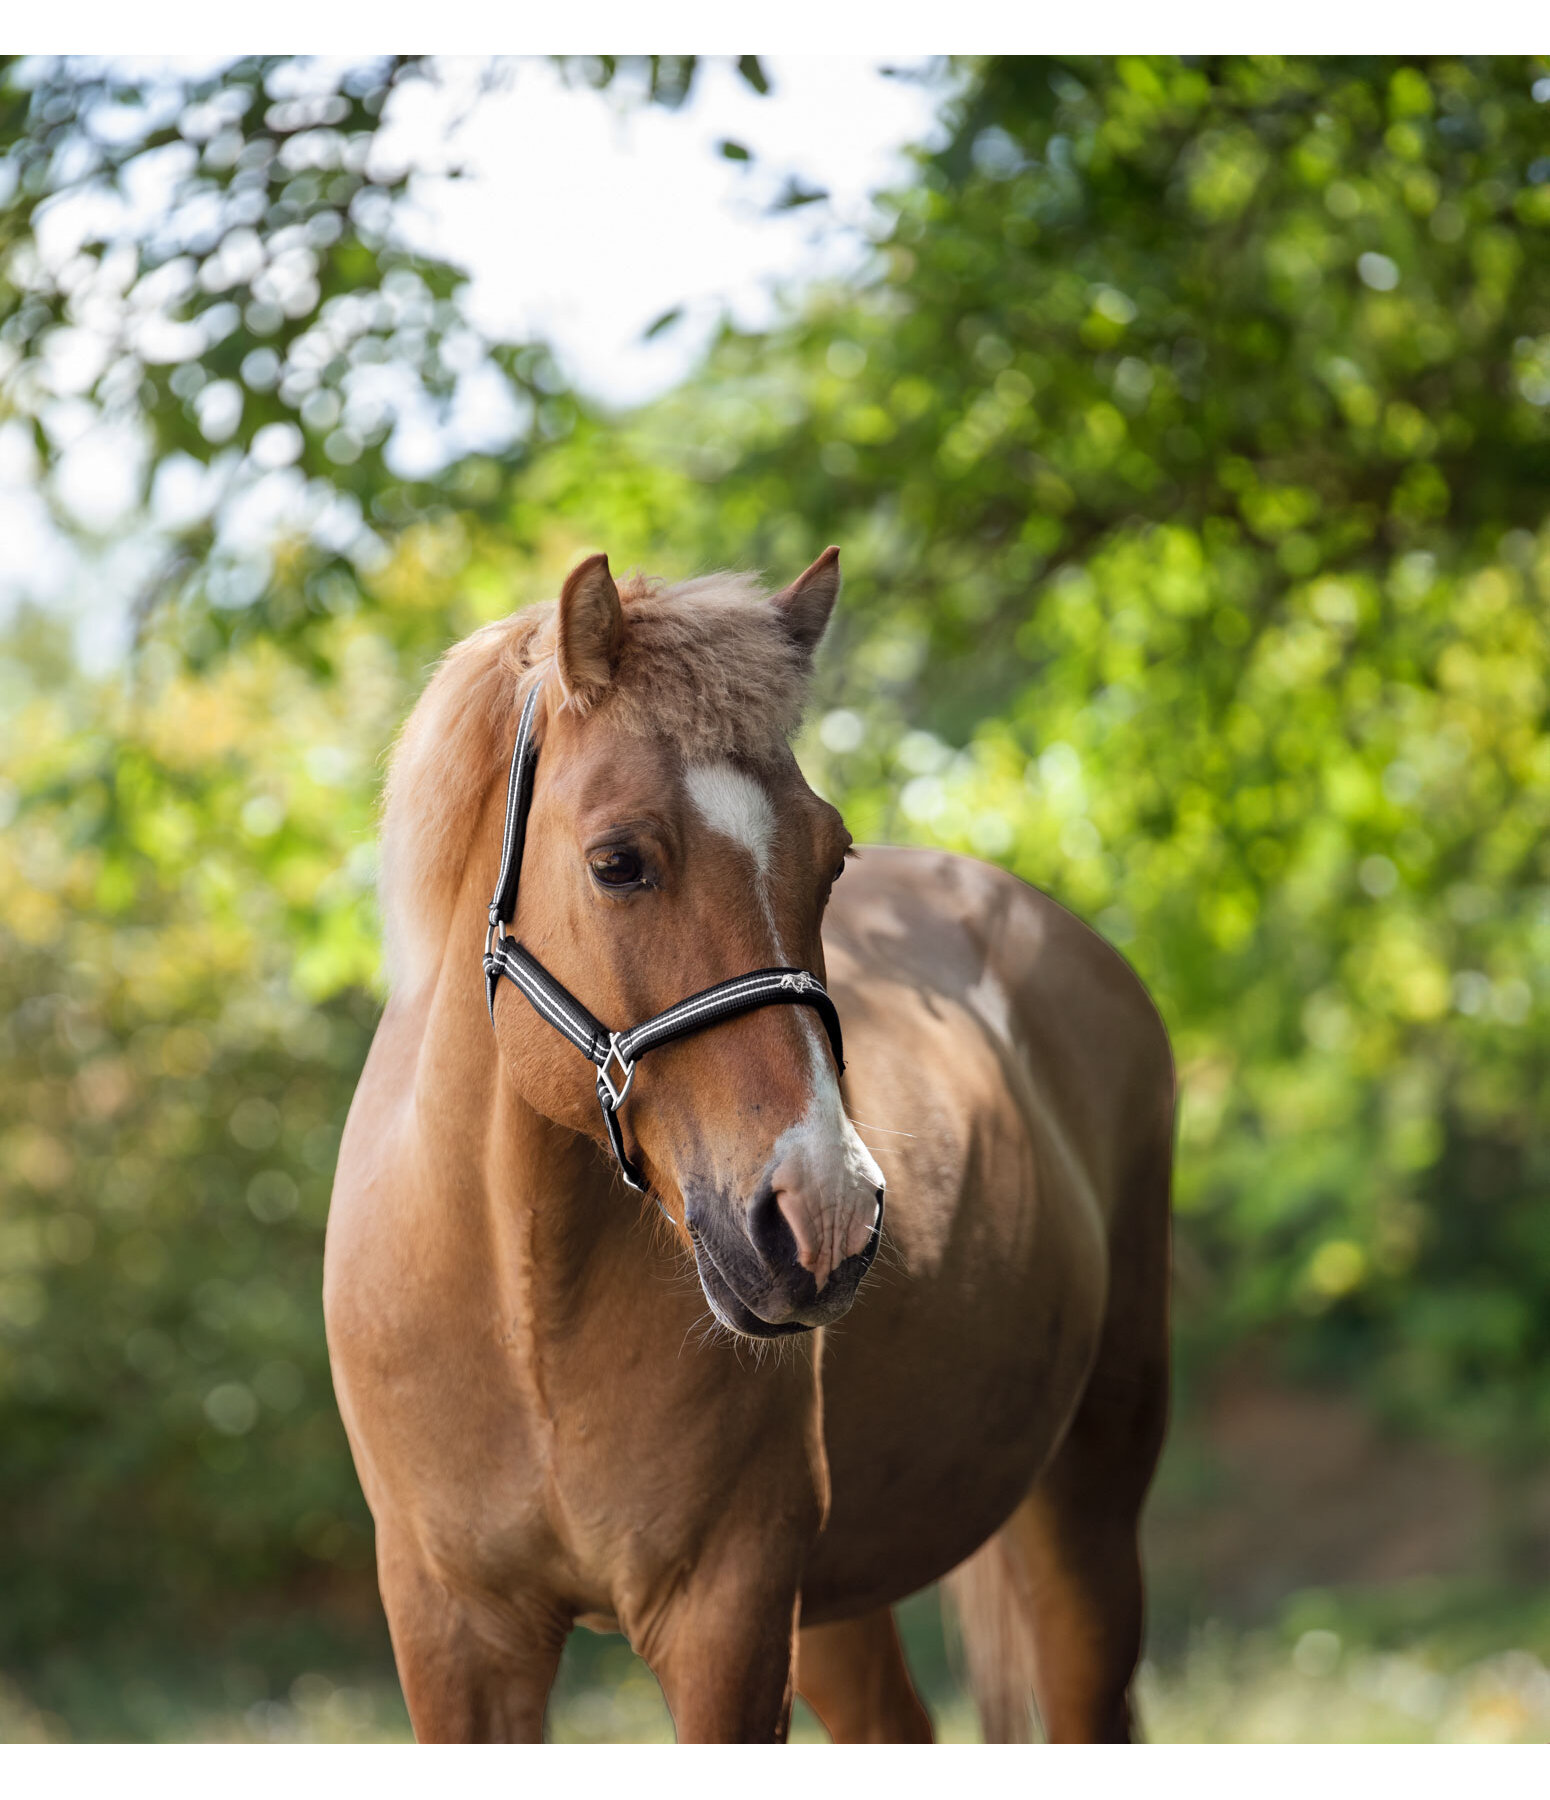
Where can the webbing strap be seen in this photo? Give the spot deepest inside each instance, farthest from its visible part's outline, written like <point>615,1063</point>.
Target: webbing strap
<point>549,999</point>
<point>744,993</point>
<point>615,1054</point>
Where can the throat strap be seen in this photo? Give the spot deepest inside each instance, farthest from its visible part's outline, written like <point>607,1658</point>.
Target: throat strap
<point>615,1054</point>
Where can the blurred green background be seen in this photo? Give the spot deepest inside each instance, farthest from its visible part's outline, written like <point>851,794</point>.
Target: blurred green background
<point>1187,433</point>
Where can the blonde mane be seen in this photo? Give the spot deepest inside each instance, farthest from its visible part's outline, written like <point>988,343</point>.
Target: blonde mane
<point>706,664</point>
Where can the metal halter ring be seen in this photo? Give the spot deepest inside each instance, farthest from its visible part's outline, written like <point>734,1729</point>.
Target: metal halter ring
<point>616,1095</point>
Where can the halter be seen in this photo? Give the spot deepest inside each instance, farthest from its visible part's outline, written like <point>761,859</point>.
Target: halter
<point>616,1054</point>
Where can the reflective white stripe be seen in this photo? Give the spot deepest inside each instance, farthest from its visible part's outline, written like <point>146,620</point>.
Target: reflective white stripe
<point>513,789</point>
<point>581,1035</point>
<point>547,1002</point>
<point>744,988</point>
<point>549,999</point>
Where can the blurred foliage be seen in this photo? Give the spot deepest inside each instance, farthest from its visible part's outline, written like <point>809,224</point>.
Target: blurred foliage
<point>204,277</point>
<point>1187,434</point>
<point>177,1077</point>
<point>206,281</point>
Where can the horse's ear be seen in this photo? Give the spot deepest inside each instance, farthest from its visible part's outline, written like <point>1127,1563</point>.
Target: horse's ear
<point>591,626</point>
<point>805,605</point>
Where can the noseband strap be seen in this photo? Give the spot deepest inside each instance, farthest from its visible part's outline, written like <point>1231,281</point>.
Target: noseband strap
<point>615,1054</point>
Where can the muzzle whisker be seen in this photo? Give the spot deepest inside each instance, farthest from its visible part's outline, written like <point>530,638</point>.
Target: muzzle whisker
<point>861,1125</point>
<point>889,1257</point>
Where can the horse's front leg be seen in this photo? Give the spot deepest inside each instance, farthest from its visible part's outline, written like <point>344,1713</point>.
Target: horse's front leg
<point>723,1645</point>
<point>473,1670</point>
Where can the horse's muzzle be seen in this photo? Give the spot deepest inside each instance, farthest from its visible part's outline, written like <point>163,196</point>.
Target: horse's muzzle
<point>755,1283</point>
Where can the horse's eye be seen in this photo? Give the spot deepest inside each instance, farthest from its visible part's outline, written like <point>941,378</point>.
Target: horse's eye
<point>838,871</point>
<point>617,868</point>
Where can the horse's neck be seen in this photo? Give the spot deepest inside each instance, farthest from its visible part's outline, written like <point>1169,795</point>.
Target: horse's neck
<point>535,1203</point>
<point>538,1214</point>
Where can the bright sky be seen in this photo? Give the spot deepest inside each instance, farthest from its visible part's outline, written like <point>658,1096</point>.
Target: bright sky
<point>582,220</point>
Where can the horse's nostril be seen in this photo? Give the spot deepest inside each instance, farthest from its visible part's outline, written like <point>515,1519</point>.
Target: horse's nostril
<point>769,1231</point>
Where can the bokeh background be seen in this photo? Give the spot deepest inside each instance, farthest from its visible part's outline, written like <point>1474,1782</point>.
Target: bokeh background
<point>1186,426</point>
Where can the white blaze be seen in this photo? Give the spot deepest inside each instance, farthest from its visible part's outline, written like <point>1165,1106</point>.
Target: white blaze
<point>730,801</point>
<point>824,1170</point>
<point>736,806</point>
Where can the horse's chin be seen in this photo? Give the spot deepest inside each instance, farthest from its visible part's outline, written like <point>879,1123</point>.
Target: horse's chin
<point>729,1309</point>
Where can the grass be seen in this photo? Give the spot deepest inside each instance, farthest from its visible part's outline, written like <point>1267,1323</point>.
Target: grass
<point>1423,1663</point>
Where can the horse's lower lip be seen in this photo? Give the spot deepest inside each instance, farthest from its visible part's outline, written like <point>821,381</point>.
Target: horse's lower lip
<point>725,1303</point>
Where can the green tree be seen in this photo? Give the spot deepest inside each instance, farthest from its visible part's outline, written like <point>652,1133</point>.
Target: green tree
<point>210,277</point>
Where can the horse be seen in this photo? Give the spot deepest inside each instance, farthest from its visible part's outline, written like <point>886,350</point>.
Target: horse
<point>697,1406</point>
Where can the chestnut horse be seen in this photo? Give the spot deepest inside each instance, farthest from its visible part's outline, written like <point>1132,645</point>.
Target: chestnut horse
<point>549,1425</point>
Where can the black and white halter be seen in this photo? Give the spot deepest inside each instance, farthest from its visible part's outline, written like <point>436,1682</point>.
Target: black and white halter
<point>616,1054</point>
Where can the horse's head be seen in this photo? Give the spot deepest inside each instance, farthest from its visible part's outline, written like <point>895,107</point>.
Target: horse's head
<point>673,843</point>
